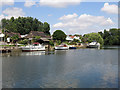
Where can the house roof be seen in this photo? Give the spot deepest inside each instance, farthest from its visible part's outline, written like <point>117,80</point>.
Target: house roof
<point>22,36</point>
<point>12,34</point>
<point>44,39</point>
<point>72,37</point>
<point>37,33</point>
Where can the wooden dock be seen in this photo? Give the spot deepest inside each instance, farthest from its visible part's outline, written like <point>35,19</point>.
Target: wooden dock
<point>6,49</point>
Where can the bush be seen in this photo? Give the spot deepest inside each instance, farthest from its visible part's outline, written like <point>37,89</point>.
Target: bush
<point>25,41</point>
<point>51,42</point>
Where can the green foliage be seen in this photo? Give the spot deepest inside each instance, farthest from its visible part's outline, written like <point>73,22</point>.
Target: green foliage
<point>25,41</point>
<point>75,41</point>
<point>46,28</point>
<point>51,42</point>
<point>36,38</point>
<point>65,42</point>
<point>58,42</point>
<point>59,35</point>
<point>72,43</point>
<point>77,35</point>
<point>93,37</point>
<point>14,38</point>
<point>111,37</point>
<point>24,25</point>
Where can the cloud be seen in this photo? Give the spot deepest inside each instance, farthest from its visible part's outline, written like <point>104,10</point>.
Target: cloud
<point>12,12</point>
<point>29,3</point>
<point>6,2</point>
<point>49,15</point>
<point>59,3</point>
<point>83,23</point>
<point>67,17</point>
<point>112,9</point>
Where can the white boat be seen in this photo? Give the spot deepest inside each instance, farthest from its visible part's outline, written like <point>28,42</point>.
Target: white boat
<point>62,47</point>
<point>94,45</point>
<point>35,47</point>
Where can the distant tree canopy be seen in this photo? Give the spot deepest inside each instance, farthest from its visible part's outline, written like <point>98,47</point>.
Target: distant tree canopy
<point>24,25</point>
<point>59,35</point>
<point>93,37</point>
<point>111,37</point>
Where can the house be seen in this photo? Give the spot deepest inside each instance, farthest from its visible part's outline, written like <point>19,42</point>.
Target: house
<point>43,37</point>
<point>1,35</point>
<point>11,34</point>
<point>23,36</point>
<point>71,38</point>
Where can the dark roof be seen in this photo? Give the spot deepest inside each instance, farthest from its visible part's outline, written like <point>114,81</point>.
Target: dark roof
<point>12,34</point>
<point>44,39</point>
<point>37,33</point>
<point>36,43</point>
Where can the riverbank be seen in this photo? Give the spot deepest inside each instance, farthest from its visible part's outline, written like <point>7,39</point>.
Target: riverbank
<point>13,48</point>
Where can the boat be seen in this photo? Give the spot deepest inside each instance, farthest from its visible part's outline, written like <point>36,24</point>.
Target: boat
<point>94,45</point>
<point>62,47</point>
<point>72,47</point>
<point>34,47</point>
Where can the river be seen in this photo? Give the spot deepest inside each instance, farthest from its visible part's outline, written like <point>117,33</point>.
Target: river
<point>80,68</point>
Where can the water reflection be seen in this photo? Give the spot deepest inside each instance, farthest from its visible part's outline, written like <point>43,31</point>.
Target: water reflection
<point>36,53</point>
<point>80,68</point>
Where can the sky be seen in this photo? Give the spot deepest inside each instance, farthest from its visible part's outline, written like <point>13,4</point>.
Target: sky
<point>71,16</point>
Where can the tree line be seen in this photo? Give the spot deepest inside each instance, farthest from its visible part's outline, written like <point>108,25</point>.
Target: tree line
<point>24,25</point>
<point>108,37</point>
<point>111,36</point>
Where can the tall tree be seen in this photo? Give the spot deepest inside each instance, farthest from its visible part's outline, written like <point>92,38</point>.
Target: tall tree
<point>46,27</point>
<point>59,35</point>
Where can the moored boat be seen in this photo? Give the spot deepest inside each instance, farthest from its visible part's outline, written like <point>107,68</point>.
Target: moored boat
<point>34,47</point>
<point>62,47</point>
<point>72,47</point>
<point>94,45</point>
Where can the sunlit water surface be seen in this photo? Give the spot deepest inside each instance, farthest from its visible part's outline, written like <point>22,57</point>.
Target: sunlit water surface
<point>80,68</point>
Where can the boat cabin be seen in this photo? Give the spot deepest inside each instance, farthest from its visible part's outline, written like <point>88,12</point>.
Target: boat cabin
<point>36,44</point>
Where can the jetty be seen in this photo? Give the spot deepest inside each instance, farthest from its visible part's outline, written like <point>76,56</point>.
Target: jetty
<point>6,49</point>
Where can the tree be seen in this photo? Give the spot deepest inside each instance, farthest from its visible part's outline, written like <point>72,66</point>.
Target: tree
<point>46,27</point>
<point>59,35</point>
<point>24,25</point>
<point>51,42</point>
<point>94,37</point>
<point>14,38</point>
<point>111,37</point>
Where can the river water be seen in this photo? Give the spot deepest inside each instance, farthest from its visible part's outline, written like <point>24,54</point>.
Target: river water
<point>80,68</point>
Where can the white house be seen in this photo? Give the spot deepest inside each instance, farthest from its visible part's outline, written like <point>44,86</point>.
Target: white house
<point>71,38</point>
<point>1,36</point>
<point>23,36</point>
